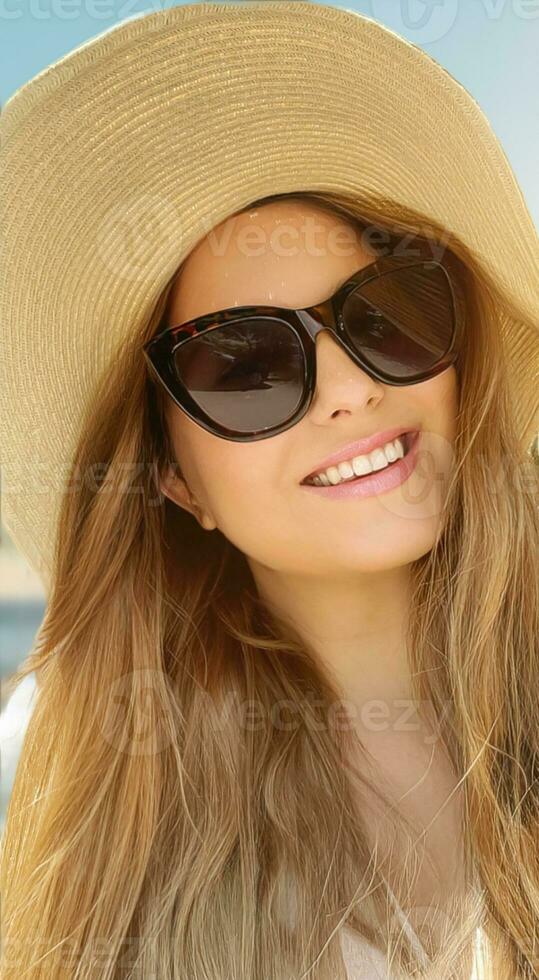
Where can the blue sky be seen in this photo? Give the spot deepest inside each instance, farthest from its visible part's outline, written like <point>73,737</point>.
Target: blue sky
<point>490,46</point>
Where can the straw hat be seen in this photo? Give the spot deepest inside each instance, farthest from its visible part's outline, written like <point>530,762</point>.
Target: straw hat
<point>118,158</point>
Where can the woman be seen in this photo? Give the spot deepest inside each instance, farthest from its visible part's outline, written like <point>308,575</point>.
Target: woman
<point>286,726</point>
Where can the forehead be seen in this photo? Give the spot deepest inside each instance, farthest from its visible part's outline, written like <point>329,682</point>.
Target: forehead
<point>285,253</point>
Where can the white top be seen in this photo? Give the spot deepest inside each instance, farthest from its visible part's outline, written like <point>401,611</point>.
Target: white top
<point>364,961</point>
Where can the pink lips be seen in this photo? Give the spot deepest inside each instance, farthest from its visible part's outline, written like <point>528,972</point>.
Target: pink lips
<point>373,483</point>
<point>359,448</point>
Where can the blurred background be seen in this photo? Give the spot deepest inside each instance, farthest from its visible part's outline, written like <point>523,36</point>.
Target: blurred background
<point>22,606</point>
<point>490,46</point>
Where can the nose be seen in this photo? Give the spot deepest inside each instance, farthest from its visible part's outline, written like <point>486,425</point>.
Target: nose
<point>342,386</point>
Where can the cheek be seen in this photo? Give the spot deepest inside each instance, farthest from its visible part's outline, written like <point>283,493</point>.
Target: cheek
<point>251,510</point>
<point>450,391</point>
<point>240,484</point>
<point>439,399</point>
<point>248,493</point>
<point>421,499</point>
<point>236,482</point>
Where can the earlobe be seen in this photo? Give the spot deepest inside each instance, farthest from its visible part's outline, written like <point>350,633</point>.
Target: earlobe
<point>207,523</point>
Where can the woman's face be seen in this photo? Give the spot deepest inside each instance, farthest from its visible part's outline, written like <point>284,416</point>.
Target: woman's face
<point>295,255</point>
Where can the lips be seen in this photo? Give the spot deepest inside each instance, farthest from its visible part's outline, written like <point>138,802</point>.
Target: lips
<point>363,447</point>
<point>371,484</point>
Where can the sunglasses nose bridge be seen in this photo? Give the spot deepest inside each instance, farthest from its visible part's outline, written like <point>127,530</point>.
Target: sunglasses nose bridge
<point>317,318</point>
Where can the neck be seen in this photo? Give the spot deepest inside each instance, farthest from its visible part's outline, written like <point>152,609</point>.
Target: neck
<point>356,628</point>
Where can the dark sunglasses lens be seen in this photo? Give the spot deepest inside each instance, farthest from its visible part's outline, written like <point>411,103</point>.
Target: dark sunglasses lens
<point>403,321</point>
<point>246,375</point>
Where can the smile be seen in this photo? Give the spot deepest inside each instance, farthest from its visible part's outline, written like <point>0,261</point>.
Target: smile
<point>374,473</point>
<point>362,465</point>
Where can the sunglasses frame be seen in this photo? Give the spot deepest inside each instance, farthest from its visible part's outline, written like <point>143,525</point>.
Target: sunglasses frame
<point>306,324</point>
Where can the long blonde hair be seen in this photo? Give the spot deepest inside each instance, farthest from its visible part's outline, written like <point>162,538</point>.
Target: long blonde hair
<point>153,831</point>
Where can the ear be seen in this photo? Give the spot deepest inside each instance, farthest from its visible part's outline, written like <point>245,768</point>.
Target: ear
<point>174,487</point>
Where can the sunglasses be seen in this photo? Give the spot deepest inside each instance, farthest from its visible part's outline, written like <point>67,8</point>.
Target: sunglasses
<point>249,372</point>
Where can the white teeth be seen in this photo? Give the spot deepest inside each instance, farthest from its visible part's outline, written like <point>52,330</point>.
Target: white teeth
<point>333,474</point>
<point>345,469</point>
<point>391,452</point>
<point>361,465</point>
<point>399,447</point>
<point>378,459</point>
